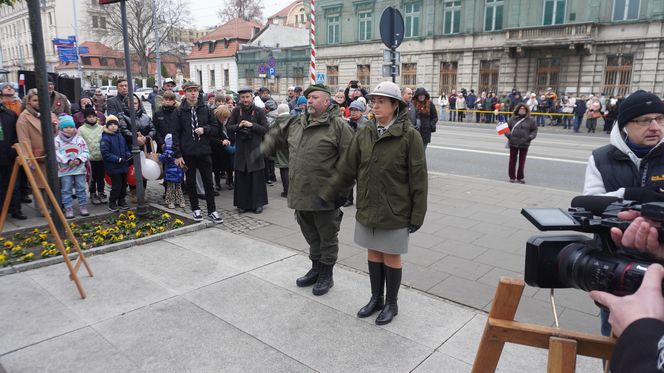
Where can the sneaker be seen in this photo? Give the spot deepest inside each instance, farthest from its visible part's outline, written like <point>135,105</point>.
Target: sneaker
<point>269,182</point>
<point>123,205</point>
<point>284,194</point>
<point>113,206</point>
<point>69,212</point>
<point>197,215</point>
<point>103,197</point>
<point>171,205</point>
<point>95,199</point>
<point>215,218</point>
<point>183,205</point>
<point>83,210</point>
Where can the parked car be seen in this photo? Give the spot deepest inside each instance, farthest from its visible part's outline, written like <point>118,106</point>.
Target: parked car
<point>143,93</point>
<point>88,92</point>
<point>109,90</point>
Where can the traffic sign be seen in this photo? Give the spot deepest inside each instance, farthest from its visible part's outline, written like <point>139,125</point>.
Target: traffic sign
<point>272,71</point>
<point>389,70</point>
<point>320,78</point>
<point>387,56</point>
<point>272,62</point>
<point>262,68</point>
<point>83,50</point>
<point>391,27</point>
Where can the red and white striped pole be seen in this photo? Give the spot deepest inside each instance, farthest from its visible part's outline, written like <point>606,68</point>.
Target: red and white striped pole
<point>312,43</point>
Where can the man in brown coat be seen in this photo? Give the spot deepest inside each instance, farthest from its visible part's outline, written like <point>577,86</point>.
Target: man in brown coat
<point>59,102</point>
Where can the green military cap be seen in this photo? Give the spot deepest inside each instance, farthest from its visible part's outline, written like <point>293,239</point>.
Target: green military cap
<point>190,84</point>
<point>317,87</point>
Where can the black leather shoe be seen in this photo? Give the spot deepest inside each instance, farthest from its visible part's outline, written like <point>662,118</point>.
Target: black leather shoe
<point>387,314</point>
<point>26,199</point>
<point>19,215</point>
<point>325,281</point>
<point>375,304</point>
<point>259,209</point>
<point>310,277</point>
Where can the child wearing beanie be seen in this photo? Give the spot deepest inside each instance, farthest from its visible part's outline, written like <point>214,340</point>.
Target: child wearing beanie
<point>71,153</point>
<point>115,153</point>
<point>91,131</point>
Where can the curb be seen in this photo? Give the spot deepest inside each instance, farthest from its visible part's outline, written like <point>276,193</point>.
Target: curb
<point>112,247</point>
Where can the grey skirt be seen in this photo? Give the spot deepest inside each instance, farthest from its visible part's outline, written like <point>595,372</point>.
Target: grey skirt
<point>388,241</point>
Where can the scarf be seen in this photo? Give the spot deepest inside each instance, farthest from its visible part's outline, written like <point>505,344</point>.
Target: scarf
<point>32,111</point>
<point>639,150</point>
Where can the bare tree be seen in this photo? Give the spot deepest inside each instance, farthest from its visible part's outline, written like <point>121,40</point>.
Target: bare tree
<point>171,15</point>
<point>249,10</point>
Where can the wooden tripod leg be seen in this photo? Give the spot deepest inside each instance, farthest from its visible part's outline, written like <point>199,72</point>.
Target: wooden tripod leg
<point>505,302</point>
<point>9,193</point>
<point>22,149</point>
<point>562,355</point>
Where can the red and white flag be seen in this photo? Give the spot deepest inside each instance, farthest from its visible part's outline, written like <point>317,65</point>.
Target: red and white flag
<point>502,128</point>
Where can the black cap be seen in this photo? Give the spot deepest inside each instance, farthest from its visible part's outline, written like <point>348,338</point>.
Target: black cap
<point>50,79</point>
<point>637,104</point>
<point>263,89</point>
<point>297,89</point>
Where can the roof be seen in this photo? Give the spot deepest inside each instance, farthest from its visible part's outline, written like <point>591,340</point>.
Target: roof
<point>96,48</point>
<point>219,51</point>
<point>236,28</point>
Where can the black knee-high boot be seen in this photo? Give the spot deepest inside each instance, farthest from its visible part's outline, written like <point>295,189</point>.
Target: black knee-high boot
<point>377,279</point>
<point>392,283</point>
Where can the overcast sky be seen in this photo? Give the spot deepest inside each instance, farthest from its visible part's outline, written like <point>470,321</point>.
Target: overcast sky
<point>204,12</point>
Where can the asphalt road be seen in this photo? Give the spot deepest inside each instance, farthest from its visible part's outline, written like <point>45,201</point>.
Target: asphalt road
<point>556,158</point>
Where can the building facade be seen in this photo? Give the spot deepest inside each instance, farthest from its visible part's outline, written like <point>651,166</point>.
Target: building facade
<point>57,22</point>
<point>577,47</point>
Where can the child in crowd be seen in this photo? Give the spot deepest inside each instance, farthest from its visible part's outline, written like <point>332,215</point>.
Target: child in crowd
<point>173,175</point>
<point>91,131</point>
<point>116,155</point>
<point>71,153</point>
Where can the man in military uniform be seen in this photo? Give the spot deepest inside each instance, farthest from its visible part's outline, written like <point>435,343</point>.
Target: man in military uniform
<point>316,141</point>
<point>59,102</point>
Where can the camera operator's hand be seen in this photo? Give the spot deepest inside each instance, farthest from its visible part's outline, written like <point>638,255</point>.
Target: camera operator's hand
<point>647,302</point>
<point>641,234</point>
<point>644,194</point>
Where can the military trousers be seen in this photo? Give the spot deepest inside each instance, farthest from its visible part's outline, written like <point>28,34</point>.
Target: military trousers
<point>320,229</point>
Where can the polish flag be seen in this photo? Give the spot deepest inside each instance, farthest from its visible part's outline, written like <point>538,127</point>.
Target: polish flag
<point>502,128</point>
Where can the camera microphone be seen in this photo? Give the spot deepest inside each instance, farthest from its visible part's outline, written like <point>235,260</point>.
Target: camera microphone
<point>595,204</point>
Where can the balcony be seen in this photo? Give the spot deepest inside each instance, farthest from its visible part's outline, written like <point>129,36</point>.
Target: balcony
<point>540,36</point>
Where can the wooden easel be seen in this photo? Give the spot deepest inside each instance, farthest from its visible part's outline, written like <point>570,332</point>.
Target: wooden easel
<point>563,345</point>
<point>24,156</point>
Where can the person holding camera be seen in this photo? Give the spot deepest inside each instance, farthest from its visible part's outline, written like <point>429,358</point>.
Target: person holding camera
<point>316,140</point>
<point>353,87</point>
<point>630,166</point>
<point>387,159</point>
<point>248,123</point>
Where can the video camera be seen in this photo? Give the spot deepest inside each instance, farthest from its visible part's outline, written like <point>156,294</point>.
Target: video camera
<point>583,262</point>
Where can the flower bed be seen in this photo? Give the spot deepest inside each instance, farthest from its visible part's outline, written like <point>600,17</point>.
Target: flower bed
<point>38,243</point>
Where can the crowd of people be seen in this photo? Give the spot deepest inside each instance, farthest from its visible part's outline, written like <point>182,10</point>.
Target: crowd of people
<point>548,108</point>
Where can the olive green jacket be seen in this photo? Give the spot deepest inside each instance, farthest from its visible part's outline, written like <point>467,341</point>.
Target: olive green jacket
<point>391,175</point>
<point>314,149</point>
<point>278,134</point>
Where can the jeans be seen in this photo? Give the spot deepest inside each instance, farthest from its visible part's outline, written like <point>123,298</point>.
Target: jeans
<point>441,113</point>
<point>540,120</point>
<point>577,122</point>
<point>69,182</point>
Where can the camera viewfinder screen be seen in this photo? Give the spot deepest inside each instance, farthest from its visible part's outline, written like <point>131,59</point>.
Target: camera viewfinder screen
<point>550,218</point>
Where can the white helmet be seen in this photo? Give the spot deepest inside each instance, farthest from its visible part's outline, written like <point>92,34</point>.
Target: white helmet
<point>388,89</point>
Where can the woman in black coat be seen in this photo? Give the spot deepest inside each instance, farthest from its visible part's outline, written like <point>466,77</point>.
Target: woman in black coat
<point>523,130</point>
<point>248,123</point>
<point>425,116</point>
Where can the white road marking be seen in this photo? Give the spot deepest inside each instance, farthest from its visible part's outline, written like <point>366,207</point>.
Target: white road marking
<point>505,154</point>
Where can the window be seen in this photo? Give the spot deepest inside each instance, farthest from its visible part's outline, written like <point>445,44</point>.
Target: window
<point>226,78</point>
<point>364,75</point>
<point>409,75</point>
<point>103,61</point>
<point>554,12</point>
<point>333,76</point>
<point>489,76</point>
<point>119,62</point>
<point>448,76</point>
<point>333,30</point>
<point>200,76</point>
<point>102,22</point>
<point>617,75</point>
<point>364,26</point>
<point>493,15</point>
<point>412,20</point>
<point>249,77</point>
<point>298,74</point>
<point>548,71</point>
<point>452,15</point>
<point>212,82</point>
<point>95,22</point>
<point>86,60</point>
<point>624,10</point>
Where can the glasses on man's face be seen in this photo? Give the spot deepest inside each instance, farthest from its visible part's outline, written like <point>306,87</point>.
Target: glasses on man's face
<point>644,122</point>
<point>7,95</point>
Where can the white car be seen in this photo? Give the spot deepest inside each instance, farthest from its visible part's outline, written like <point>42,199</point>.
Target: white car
<point>143,93</point>
<point>109,90</point>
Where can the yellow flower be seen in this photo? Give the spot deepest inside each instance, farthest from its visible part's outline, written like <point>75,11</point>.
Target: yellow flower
<point>8,244</point>
<point>2,259</point>
<point>139,233</point>
<point>165,216</point>
<point>162,229</point>
<point>17,248</point>
<point>72,225</point>
<point>179,222</point>
<point>44,253</point>
<point>84,245</point>
<point>35,231</point>
<point>52,252</point>
<point>67,249</point>
<point>42,236</point>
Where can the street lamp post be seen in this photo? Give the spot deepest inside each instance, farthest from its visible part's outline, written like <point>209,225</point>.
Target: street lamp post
<point>155,19</point>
